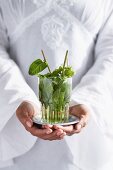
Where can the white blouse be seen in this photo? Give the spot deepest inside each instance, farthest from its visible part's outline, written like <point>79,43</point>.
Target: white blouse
<point>85,28</point>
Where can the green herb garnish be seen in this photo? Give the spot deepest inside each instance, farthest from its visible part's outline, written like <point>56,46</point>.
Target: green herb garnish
<point>39,65</point>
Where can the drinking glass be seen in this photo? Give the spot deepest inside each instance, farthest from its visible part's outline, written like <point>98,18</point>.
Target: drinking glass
<point>54,95</point>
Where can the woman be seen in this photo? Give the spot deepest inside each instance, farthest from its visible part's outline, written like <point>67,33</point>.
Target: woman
<point>84,28</point>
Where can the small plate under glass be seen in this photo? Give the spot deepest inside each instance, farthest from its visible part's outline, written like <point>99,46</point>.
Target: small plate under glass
<point>72,120</point>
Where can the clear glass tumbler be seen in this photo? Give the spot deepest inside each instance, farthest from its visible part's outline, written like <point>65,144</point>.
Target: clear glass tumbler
<point>54,95</point>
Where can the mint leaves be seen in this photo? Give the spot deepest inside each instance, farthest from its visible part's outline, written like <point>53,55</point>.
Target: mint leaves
<point>54,89</point>
<point>37,66</point>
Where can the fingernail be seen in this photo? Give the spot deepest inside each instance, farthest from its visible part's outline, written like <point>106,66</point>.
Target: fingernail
<point>79,127</point>
<point>64,133</point>
<point>62,136</point>
<point>28,124</point>
<point>59,133</point>
<point>56,126</point>
<point>48,132</point>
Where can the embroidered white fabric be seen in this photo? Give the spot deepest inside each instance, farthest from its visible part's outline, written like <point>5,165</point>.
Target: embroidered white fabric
<point>52,27</point>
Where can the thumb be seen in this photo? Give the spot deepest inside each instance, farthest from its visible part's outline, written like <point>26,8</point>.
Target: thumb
<point>29,123</point>
<point>74,110</point>
<point>25,119</point>
<point>25,113</point>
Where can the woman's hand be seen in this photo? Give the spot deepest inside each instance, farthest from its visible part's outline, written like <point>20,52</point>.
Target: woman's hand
<point>25,113</point>
<point>82,112</point>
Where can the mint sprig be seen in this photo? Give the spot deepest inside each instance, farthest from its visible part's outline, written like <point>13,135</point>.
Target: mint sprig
<point>39,65</point>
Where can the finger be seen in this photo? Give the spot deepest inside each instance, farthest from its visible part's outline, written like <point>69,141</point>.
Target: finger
<point>25,113</point>
<point>25,108</point>
<point>82,123</point>
<point>38,132</point>
<point>63,135</point>
<point>67,129</point>
<point>77,128</point>
<point>46,134</point>
<point>75,110</point>
<point>79,110</point>
<point>25,119</point>
<point>47,126</point>
<point>52,136</point>
<point>55,135</point>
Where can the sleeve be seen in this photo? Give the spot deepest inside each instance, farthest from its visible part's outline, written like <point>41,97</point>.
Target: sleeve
<point>13,91</point>
<point>96,86</point>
